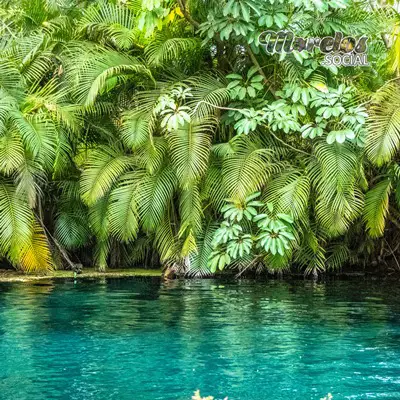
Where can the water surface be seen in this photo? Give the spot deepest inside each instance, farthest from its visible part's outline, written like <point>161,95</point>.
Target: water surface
<point>145,339</point>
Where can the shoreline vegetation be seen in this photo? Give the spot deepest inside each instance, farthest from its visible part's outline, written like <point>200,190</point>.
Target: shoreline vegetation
<point>163,132</point>
<point>9,275</point>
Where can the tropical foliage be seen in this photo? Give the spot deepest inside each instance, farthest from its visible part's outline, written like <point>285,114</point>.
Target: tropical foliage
<point>162,132</point>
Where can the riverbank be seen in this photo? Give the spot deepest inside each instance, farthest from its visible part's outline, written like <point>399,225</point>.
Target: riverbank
<point>16,276</point>
<point>8,275</point>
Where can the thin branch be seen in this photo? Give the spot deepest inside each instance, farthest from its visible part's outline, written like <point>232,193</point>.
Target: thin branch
<point>378,90</point>
<point>248,266</point>
<point>288,145</point>
<point>62,251</point>
<point>394,256</point>
<point>238,109</point>
<point>255,62</point>
<point>8,29</point>
<point>213,105</point>
<point>384,38</point>
<point>394,222</point>
<point>186,14</point>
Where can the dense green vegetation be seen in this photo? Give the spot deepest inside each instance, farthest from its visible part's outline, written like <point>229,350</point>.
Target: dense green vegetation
<point>161,132</point>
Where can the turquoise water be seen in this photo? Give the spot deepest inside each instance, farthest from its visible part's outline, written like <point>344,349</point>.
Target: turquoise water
<point>144,339</point>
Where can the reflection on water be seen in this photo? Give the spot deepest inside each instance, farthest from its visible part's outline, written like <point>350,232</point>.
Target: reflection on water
<point>145,339</point>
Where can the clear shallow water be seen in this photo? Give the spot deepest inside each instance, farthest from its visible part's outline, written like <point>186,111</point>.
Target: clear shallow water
<point>144,339</point>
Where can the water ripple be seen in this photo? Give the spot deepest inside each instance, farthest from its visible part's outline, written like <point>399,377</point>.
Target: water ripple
<point>144,339</point>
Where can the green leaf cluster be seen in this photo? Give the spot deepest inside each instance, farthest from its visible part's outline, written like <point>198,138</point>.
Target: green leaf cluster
<point>162,132</point>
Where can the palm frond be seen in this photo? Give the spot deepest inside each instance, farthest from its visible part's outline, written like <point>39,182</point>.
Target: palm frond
<point>190,210</point>
<point>246,170</point>
<point>152,154</point>
<point>212,188</point>
<point>99,225</point>
<point>339,201</point>
<point>71,224</point>
<point>35,256</point>
<point>209,92</point>
<point>123,208</point>
<point>38,134</point>
<point>165,240</point>
<point>383,138</point>
<point>289,192</point>
<point>106,21</point>
<point>338,255</point>
<point>376,207</point>
<point>154,195</point>
<point>165,47</point>
<point>16,221</point>
<point>11,153</point>
<point>198,265</point>
<point>137,127</point>
<point>103,168</point>
<point>311,253</point>
<point>98,71</point>
<point>189,147</point>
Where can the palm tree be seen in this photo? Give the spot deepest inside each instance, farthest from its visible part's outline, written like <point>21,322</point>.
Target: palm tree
<point>125,126</point>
